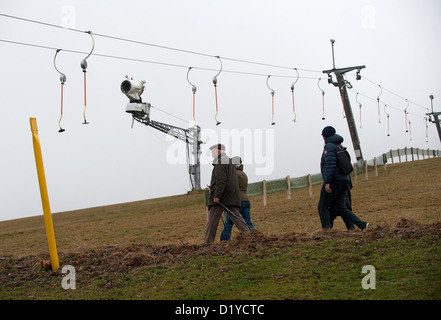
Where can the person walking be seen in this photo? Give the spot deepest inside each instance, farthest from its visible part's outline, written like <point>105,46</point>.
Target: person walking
<point>245,205</point>
<point>336,185</point>
<point>224,193</point>
<point>333,214</point>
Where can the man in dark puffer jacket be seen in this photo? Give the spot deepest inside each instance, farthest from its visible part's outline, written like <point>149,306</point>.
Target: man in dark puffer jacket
<point>335,184</point>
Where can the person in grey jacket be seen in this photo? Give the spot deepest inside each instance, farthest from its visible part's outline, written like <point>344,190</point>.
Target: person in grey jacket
<point>224,193</point>
<point>335,184</point>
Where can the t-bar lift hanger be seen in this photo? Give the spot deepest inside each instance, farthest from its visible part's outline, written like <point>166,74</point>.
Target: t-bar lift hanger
<point>215,90</point>
<point>193,89</point>
<point>84,67</point>
<point>62,81</point>
<point>292,91</point>
<point>272,98</point>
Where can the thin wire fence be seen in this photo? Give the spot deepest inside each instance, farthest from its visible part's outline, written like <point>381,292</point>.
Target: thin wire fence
<point>264,187</point>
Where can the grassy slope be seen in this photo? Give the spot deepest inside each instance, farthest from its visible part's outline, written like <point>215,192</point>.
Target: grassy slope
<point>152,249</point>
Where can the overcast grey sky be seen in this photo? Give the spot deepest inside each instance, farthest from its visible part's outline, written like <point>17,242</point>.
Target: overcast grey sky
<point>107,162</point>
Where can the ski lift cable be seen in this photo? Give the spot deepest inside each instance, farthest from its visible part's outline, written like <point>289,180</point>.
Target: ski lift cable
<point>156,45</point>
<point>154,62</point>
<point>186,51</point>
<point>181,66</point>
<point>395,94</point>
<point>388,105</point>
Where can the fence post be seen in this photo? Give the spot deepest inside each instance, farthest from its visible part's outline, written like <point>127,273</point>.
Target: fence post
<point>392,156</point>
<point>365,169</point>
<point>288,185</point>
<point>411,151</point>
<point>264,192</point>
<point>428,154</point>
<point>405,152</point>
<point>418,153</point>
<point>355,172</point>
<point>207,200</point>
<point>385,161</point>
<point>310,185</point>
<point>375,165</point>
<point>399,155</point>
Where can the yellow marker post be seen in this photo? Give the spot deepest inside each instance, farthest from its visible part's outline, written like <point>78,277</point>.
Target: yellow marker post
<point>44,196</point>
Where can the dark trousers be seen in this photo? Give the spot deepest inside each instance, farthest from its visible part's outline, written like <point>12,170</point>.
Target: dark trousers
<point>333,213</point>
<point>337,199</point>
<point>214,216</point>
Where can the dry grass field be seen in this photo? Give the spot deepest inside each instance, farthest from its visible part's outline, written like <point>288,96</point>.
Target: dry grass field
<point>409,190</point>
<point>402,205</point>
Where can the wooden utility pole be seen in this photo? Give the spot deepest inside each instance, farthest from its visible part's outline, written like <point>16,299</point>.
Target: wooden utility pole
<point>435,117</point>
<point>342,84</point>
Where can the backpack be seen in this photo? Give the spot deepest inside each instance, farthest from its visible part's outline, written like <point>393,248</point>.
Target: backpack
<point>344,165</point>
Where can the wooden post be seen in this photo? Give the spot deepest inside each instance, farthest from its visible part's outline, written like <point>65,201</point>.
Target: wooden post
<point>428,154</point>
<point>264,192</point>
<point>418,153</point>
<point>399,155</point>
<point>310,185</point>
<point>365,169</point>
<point>376,168</point>
<point>411,151</point>
<point>207,201</point>
<point>355,172</point>
<point>288,185</point>
<point>392,156</point>
<point>405,152</point>
<point>384,160</point>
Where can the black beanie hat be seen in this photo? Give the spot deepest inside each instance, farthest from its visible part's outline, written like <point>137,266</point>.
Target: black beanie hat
<point>328,131</point>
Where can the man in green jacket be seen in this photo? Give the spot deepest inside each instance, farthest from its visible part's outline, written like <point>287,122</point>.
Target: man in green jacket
<point>224,193</point>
